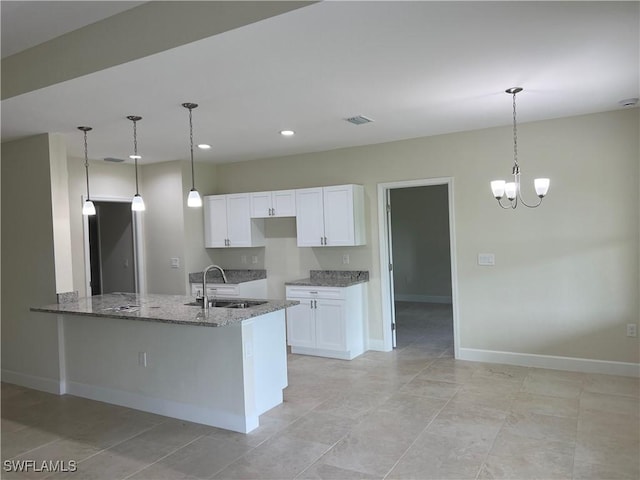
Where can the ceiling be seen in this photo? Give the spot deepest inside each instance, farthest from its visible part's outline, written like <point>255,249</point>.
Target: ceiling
<point>27,24</point>
<point>415,68</point>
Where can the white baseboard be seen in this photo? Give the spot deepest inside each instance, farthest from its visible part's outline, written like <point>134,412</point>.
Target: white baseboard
<point>169,408</point>
<point>49,385</point>
<point>584,365</point>
<point>413,297</point>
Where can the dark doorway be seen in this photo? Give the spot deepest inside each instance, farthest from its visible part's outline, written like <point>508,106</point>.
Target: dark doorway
<point>111,248</point>
<point>421,252</point>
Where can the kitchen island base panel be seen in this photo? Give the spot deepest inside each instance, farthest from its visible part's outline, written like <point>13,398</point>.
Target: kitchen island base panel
<point>220,376</point>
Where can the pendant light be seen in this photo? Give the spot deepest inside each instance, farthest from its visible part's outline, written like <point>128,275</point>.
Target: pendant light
<point>137,204</point>
<point>88,208</point>
<point>500,188</point>
<point>193,200</point>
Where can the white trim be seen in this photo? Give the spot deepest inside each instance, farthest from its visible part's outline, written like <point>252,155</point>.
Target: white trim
<point>169,408</point>
<point>62,359</point>
<point>375,344</point>
<point>138,245</point>
<point>49,385</point>
<point>417,297</point>
<point>323,352</point>
<point>385,280</point>
<point>585,365</point>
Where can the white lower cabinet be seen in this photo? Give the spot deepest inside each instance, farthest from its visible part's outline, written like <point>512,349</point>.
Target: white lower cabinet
<point>328,322</point>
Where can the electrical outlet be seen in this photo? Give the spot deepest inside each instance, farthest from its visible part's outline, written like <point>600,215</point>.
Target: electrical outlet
<point>486,259</point>
<point>345,259</point>
<point>254,259</point>
<point>632,330</point>
<point>243,259</point>
<point>175,262</point>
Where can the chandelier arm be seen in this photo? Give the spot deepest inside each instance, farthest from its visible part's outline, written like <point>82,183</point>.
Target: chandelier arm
<point>499,200</point>
<point>526,204</point>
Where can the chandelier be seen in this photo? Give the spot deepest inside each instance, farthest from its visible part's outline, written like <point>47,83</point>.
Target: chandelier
<point>511,190</point>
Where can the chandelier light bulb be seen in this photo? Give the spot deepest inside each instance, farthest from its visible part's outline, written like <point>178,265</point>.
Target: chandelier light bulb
<point>511,190</point>
<point>497,187</point>
<point>542,186</point>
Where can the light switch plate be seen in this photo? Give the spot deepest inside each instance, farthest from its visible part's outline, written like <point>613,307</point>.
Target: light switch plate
<point>487,259</point>
<point>175,262</point>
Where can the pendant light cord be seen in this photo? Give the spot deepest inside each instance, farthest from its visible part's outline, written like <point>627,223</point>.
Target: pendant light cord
<point>515,134</point>
<point>193,176</point>
<point>135,152</point>
<point>86,163</point>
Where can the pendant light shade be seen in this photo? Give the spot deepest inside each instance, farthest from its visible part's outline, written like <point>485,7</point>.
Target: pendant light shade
<point>500,188</point>
<point>137,203</point>
<point>88,208</point>
<point>193,200</point>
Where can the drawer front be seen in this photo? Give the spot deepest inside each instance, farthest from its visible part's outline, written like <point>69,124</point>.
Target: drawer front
<point>329,293</point>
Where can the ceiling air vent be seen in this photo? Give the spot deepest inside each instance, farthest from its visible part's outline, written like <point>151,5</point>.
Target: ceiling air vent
<point>359,120</point>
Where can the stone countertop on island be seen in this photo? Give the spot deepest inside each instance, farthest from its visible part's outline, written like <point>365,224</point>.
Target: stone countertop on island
<point>163,308</point>
<point>233,276</point>
<point>332,278</point>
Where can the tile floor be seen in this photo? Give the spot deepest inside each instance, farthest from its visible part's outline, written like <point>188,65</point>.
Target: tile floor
<point>415,413</point>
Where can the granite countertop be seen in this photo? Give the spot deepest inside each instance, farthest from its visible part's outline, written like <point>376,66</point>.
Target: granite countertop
<point>233,276</point>
<point>162,308</point>
<point>332,278</point>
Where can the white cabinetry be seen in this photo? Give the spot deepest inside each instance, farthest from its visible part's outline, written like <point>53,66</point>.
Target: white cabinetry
<point>330,216</point>
<point>281,203</point>
<point>251,289</point>
<point>228,222</point>
<point>328,322</point>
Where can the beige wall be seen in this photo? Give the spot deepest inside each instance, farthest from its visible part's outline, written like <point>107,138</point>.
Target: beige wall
<point>29,340</point>
<point>566,276</point>
<point>106,180</point>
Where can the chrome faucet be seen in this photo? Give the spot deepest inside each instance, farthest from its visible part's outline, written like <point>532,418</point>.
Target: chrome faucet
<point>205,299</point>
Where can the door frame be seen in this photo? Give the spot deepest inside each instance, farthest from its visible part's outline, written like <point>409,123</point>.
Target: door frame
<point>138,245</point>
<point>386,279</point>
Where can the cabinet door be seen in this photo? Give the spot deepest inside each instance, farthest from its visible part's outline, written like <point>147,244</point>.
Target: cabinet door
<point>261,204</point>
<point>238,220</point>
<point>338,215</point>
<point>283,203</point>
<point>215,221</point>
<point>301,325</point>
<point>330,324</point>
<point>309,217</point>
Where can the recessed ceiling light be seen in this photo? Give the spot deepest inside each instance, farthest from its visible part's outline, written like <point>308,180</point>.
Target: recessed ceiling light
<point>628,102</point>
<point>204,146</point>
<point>287,133</point>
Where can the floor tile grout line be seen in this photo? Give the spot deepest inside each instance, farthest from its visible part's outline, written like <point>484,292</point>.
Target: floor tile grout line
<point>163,457</point>
<point>416,439</point>
<point>115,444</point>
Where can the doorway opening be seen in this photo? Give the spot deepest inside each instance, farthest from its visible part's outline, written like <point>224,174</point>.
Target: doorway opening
<point>113,248</point>
<point>417,249</point>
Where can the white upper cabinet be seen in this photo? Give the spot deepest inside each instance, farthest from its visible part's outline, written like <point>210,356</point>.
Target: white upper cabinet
<point>228,222</point>
<point>281,203</point>
<point>330,216</point>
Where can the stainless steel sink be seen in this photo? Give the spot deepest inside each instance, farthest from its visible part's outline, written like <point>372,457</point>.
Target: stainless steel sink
<point>228,303</point>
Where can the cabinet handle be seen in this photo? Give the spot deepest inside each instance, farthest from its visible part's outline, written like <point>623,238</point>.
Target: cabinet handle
<point>321,240</point>
<point>311,304</point>
<point>315,304</point>
<point>273,211</point>
<point>325,240</point>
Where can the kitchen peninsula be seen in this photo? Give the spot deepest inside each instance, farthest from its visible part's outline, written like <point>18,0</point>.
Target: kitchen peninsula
<point>162,354</point>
